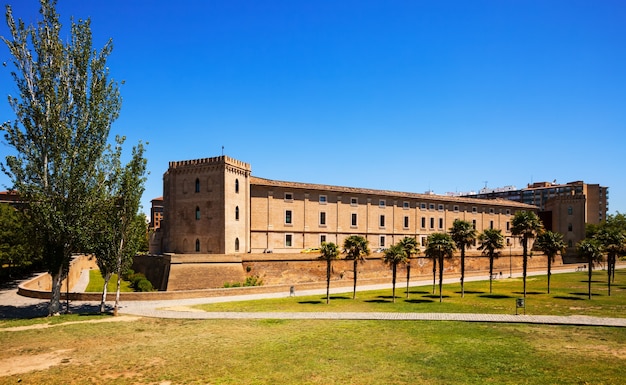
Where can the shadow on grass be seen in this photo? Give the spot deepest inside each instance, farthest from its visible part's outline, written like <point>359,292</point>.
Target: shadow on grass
<point>569,298</point>
<point>495,296</point>
<point>529,292</point>
<point>592,281</point>
<point>378,301</point>
<point>40,310</point>
<point>470,292</point>
<point>312,302</point>
<point>339,297</point>
<point>586,295</point>
<point>418,300</point>
<point>417,292</point>
<point>436,296</point>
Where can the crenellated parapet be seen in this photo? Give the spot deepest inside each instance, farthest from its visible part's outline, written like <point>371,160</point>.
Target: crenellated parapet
<point>216,160</point>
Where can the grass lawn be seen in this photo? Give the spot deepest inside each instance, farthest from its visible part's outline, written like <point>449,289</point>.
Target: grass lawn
<point>160,351</point>
<point>568,296</point>
<point>96,283</point>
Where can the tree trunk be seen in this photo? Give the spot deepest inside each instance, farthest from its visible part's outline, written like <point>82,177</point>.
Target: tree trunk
<point>462,271</point>
<point>434,274</point>
<point>589,270</point>
<point>119,278</point>
<point>354,289</point>
<point>491,273</point>
<point>107,277</point>
<point>549,271</point>
<point>440,278</point>
<point>328,269</point>
<point>393,283</point>
<point>408,279</point>
<point>609,264</point>
<point>525,261</point>
<point>55,295</point>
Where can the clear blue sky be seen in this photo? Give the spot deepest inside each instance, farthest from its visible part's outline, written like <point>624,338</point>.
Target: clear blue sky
<point>400,95</point>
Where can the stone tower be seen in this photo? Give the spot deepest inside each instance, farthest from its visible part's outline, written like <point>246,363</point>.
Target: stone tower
<point>206,206</point>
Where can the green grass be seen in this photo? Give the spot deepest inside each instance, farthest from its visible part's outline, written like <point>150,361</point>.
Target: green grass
<point>96,283</point>
<point>568,296</point>
<point>153,351</point>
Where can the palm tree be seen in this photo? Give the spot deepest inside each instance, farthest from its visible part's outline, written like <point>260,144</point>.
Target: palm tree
<point>551,244</point>
<point>613,242</point>
<point>590,249</point>
<point>491,240</point>
<point>409,244</point>
<point>394,256</point>
<point>527,225</point>
<point>329,252</point>
<point>463,234</point>
<point>356,249</point>
<point>440,246</point>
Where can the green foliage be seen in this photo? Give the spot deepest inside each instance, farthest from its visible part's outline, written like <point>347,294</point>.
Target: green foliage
<point>17,252</point>
<point>253,280</point>
<point>64,108</point>
<point>356,249</point>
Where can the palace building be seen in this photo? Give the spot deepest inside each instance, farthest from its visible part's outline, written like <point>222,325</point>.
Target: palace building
<point>214,206</point>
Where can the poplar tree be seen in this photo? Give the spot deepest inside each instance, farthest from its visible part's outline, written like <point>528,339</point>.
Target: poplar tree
<point>64,108</point>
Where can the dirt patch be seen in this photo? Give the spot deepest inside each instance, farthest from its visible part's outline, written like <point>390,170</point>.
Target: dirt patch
<point>29,363</point>
<point>48,325</point>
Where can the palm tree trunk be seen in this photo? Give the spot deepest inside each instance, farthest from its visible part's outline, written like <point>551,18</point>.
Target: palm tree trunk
<point>490,273</point>
<point>590,262</point>
<point>328,269</point>
<point>549,271</point>
<point>393,283</point>
<point>408,278</point>
<point>354,290</point>
<point>609,262</point>
<point>440,278</point>
<point>434,273</point>
<point>462,271</point>
<point>525,261</point>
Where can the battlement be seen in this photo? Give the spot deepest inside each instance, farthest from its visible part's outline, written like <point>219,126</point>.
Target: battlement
<point>210,161</point>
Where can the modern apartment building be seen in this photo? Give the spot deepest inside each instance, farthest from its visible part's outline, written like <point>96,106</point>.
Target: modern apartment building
<point>564,208</point>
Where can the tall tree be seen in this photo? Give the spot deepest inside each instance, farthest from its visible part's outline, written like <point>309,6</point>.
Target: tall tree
<point>393,256</point>
<point>551,244</point>
<point>64,110</point>
<point>329,252</point>
<point>16,250</point>
<point>464,235</point>
<point>612,241</point>
<point>356,249</point>
<point>526,224</point>
<point>589,249</point>
<point>491,240</point>
<point>438,247</point>
<point>120,229</point>
<point>409,245</point>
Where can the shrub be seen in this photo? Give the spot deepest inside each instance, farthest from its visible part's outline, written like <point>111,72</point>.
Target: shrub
<point>144,285</point>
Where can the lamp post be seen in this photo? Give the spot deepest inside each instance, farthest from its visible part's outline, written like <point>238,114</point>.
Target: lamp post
<point>510,261</point>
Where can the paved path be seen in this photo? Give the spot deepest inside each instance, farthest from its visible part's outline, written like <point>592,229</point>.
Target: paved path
<point>15,306</point>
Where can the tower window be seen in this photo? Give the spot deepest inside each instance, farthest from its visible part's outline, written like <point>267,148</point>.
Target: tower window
<point>197,213</point>
<point>237,186</point>
<point>197,245</point>
<point>197,185</point>
<point>288,217</point>
<point>236,244</point>
<point>237,213</point>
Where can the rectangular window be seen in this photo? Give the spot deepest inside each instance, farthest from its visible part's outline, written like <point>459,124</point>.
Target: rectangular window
<point>406,205</point>
<point>491,225</point>
<point>570,210</point>
<point>423,241</point>
<point>456,208</point>
<point>322,218</point>
<point>474,210</point>
<point>288,240</point>
<point>432,223</point>
<point>423,206</point>
<point>288,197</point>
<point>508,212</point>
<point>441,223</point>
<point>570,227</point>
<point>382,203</point>
<point>354,222</point>
<point>406,222</point>
<point>288,217</point>
<point>382,221</point>
<point>431,206</point>
<point>440,208</point>
<point>354,201</point>
<point>382,241</point>
<point>423,222</point>
<point>322,239</point>
<point>474,223</point>
<point>508,226</point>
<point>323,199</point>
<point>491,210</point>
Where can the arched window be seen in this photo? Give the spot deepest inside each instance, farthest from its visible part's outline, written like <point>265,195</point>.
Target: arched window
<point>237,213</point>
<point>197,185</point>
<point>237,186</point>
<point>236,244</point>
<point>197,245</point>
<point>197,213</point>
